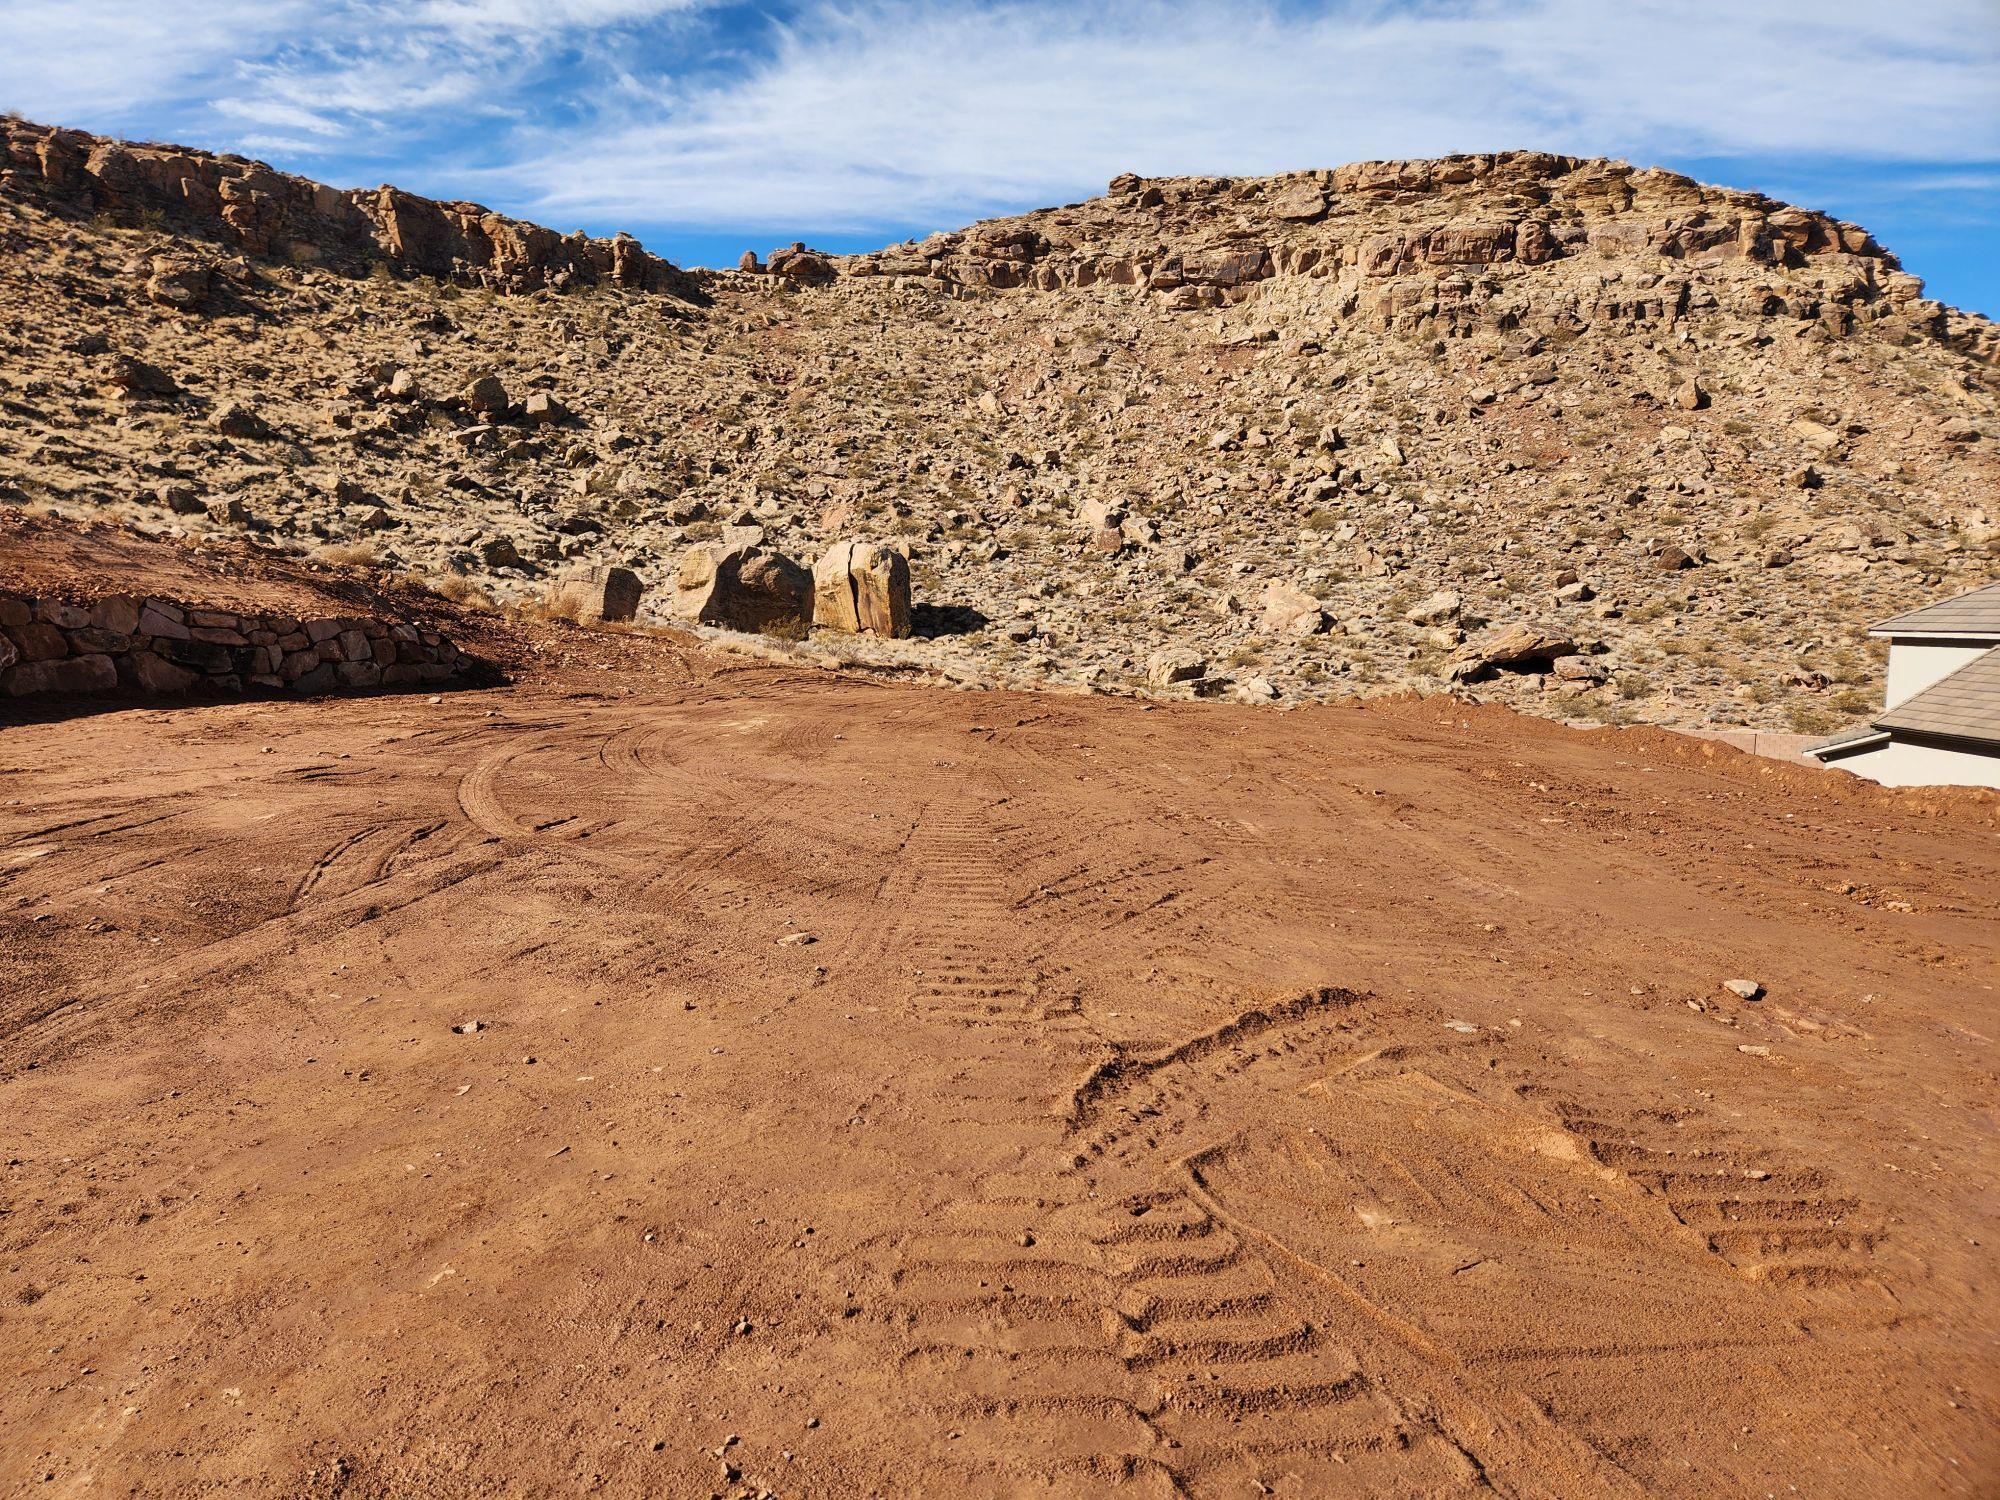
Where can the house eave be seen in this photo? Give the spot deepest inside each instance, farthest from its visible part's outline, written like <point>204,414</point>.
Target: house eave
<point>1840,749</point>
<point>1961,637</point>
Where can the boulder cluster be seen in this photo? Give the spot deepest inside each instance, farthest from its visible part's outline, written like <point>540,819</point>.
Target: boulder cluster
<point>741,583</point>
<point>148,645</point>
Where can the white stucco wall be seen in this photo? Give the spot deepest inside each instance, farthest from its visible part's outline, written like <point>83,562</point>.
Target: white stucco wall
<point>1905,764</point>
<point>1914,665</point>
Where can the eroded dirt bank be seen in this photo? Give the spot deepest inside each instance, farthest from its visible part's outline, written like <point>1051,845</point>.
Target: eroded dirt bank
<point>877,1089</point>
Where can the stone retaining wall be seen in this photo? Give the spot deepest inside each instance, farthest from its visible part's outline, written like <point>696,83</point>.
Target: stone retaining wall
<point>147,646</point>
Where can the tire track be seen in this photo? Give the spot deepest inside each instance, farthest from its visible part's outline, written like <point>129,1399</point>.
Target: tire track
<point>1771,1219</point>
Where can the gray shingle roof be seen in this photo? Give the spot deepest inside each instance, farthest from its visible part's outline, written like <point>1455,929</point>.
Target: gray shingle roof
<point>1962,706</point>
<point>1974,614</point>
<point>1852,736</point>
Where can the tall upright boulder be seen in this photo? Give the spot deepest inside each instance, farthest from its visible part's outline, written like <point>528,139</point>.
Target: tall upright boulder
<point>861,586</point>
<point>593,595</point>
<point>741,584</point>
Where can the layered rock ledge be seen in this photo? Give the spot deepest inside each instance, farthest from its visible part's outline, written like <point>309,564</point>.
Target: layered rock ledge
<point>254,208</point>
<point>1470,227</point>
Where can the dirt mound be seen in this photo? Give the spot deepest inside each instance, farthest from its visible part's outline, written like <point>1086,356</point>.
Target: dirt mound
<point>693,1075</point>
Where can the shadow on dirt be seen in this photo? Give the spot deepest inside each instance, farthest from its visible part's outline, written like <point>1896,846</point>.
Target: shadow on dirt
<point>54,708</point>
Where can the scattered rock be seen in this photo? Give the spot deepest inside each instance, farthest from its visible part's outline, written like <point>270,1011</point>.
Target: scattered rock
<point>485,396</point>
<point>1289,610</point>
<point>1438,609</point>
<point>180,281</point>
<point>543,409</point>
<point>1581,669</point>
<point>135,377</point>
<point>234,420</point>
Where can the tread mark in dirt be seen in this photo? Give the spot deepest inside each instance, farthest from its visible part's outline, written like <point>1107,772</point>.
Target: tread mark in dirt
<point>1771,1221</point>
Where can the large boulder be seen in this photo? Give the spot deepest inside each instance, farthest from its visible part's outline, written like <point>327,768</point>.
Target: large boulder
<point>1289,610</point>
<point>1175,664</point>
<point>592,595</point>
<point>862,586</point>
<point>180,281</point>
<point>1514,648</point>
<point>1441,608</point>
<point>741,584</point>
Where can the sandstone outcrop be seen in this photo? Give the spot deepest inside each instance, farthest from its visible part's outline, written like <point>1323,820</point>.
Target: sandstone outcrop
<point>862,586</point>
<point>596,594</point>
<point>248,206</point>
<point>740,584</point>
<point>1461,267</point>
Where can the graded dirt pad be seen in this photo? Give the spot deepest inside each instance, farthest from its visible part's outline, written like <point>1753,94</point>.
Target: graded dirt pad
<point>877,1089</point>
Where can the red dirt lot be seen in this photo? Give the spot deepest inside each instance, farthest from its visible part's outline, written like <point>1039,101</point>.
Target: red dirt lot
<point>886,1090</point>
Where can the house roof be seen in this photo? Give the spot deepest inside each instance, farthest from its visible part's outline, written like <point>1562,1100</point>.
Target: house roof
<point>1847,741</point>
<point>1976,614</point>
<point>1962,706</point>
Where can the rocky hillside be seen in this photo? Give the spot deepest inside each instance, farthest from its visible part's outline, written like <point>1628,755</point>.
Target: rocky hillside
<point>1293,437</point>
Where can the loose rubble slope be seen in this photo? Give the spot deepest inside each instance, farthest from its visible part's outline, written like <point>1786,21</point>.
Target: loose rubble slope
<point>1291,437</point>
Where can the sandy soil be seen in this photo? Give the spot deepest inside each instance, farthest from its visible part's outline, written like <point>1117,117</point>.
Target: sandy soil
<point>878,1089</point>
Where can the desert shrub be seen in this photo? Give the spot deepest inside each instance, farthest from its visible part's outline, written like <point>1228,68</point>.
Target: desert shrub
<point>462,590</point>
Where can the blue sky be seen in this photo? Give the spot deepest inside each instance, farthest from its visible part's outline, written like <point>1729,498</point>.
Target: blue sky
<point>706,128</point>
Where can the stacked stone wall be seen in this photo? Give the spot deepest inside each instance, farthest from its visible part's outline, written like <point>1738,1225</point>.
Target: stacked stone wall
<point>148,646</point>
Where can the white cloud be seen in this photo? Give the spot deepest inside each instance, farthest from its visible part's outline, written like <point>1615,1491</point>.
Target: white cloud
<point>367,74</point>
<point>890,112</point>
<point>78,61</point>
<point>861,113</point>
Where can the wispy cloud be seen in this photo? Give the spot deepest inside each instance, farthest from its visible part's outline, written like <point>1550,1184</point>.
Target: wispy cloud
<point>861,113</point>
<point>369,76</point>
<point>898,110</point>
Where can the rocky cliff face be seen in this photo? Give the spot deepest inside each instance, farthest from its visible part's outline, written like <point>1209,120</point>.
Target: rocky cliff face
<point>1290,438</point>
<point>248,206</point>
<point>1457,247</point>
